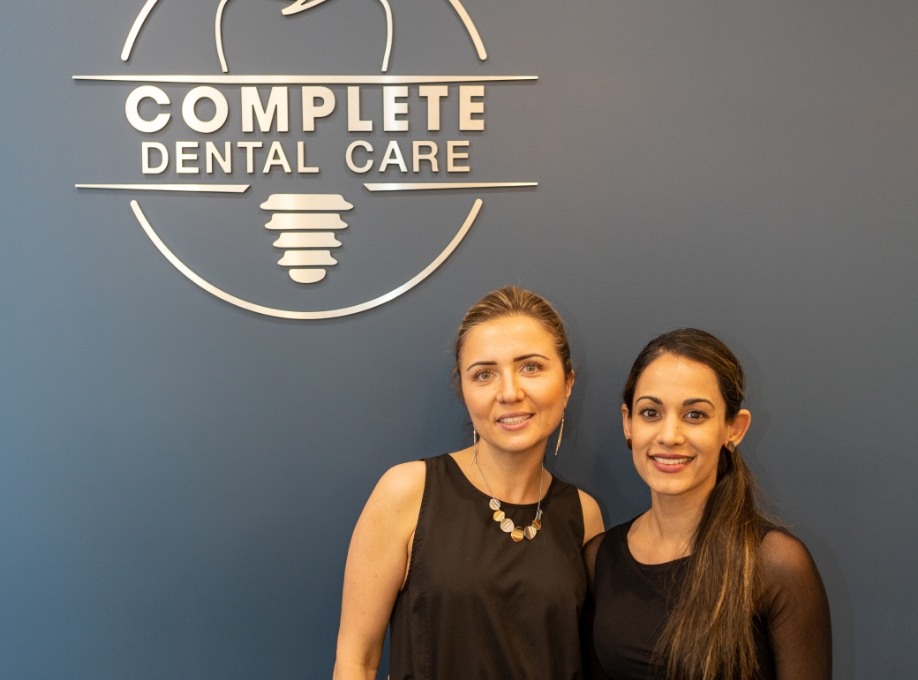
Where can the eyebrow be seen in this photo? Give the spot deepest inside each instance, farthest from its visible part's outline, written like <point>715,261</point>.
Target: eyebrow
<point>687,402</point>
<point>516,360</point>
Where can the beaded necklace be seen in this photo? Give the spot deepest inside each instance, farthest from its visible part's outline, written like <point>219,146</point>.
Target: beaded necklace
<point>517,533</point>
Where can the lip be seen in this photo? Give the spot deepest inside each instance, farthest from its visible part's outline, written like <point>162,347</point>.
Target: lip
<point>667,462</point>
<point>514,421</point>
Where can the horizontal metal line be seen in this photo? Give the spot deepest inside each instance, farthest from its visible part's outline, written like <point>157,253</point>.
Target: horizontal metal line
<point>300,80</point>
<point>427,186</point>
<point>194,188</point>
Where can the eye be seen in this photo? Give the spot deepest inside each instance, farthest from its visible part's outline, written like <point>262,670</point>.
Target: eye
<point>696,415</point>
<point>482,375</point>
<point>531,367</point>
<point>648,413</point>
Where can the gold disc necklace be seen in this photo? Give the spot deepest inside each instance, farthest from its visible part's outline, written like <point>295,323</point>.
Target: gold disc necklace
<point>517,533</point>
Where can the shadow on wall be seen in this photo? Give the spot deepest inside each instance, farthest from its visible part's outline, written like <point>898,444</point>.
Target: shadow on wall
<point>833,576</point>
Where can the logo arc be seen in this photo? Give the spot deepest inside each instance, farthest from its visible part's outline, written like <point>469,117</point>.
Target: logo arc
<point>306,235</point>
<point>305,315</point>
<point>296,7</point>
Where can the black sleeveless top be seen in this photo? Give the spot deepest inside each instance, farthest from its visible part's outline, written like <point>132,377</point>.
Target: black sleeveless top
<point>476,604</point>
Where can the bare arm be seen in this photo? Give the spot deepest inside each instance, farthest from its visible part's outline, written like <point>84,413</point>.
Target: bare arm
<point>797,610</point>
<point>377,564</point>
<point>592,517</point>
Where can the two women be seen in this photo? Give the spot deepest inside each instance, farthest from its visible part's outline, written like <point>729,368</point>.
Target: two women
<point>474,558</point>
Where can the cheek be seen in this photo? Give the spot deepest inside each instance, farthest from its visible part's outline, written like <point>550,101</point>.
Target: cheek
<point>712,440</point>
<point>639,432</point>
<point>476,403</point>
<point>558,392</point>
<point>641,466</point>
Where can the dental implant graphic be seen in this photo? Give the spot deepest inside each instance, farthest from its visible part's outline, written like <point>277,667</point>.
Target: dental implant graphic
<point>307,224</point>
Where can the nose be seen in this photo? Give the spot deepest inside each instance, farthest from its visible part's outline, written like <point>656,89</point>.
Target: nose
<point>670,433</point>
<point>510,389</point>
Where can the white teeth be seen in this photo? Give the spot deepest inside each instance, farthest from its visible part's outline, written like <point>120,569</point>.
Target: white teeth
<point>515,420</point>
<point>671,461</point>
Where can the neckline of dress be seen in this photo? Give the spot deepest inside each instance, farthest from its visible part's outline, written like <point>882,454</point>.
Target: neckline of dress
<point>643,566</point>
<point>504,504</point>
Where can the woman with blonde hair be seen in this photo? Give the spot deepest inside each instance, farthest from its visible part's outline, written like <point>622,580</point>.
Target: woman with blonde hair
<point>473,559</point>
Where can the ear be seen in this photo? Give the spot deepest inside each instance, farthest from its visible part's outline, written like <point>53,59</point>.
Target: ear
<point>738,427</point>
<point>568,386</point>
<point>626,421</point>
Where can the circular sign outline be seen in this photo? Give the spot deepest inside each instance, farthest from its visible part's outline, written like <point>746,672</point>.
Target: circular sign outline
<point>291,314</point>
<point>198,280</point>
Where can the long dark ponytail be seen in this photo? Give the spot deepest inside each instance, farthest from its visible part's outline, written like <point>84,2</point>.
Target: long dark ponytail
<point>710,633</point>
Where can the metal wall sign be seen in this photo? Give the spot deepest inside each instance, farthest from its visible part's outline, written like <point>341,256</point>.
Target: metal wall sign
<point>250,140</point>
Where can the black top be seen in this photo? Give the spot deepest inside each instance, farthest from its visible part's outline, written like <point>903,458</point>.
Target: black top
<point>476,604</point>
<point>633,600</point>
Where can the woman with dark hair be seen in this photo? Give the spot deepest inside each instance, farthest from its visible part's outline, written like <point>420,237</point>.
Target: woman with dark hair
<point>701,586</point>
<point>473,558</point>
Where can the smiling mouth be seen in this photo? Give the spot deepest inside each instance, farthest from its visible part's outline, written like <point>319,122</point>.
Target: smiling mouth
<point>513,420</point>
<point>670,461</point>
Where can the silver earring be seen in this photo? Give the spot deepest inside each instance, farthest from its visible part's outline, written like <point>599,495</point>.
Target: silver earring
<point>474,445</point>
<point>560,434</point>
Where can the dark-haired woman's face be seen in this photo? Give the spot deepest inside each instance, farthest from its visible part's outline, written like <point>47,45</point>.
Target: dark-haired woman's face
<point>678,426</point>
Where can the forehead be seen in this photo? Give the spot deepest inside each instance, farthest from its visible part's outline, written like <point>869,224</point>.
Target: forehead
<point>507,336</point>
<point>681,378</point>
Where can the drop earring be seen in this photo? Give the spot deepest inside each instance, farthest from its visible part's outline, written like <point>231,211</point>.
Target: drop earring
<point>560,434</point>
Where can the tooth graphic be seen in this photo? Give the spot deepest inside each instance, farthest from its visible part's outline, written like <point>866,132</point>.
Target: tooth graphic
<point>306,223</point>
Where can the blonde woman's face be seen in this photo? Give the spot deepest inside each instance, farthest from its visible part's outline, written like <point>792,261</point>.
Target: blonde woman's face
<point>513,383</point>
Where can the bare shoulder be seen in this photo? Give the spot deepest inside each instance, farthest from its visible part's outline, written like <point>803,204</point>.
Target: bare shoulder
<point>404,477</point>
<point>592,516</point>
<point>401,485</point>
<point>392,510</point>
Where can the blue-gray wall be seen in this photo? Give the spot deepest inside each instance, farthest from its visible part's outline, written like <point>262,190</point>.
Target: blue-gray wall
<point>179,478</point>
